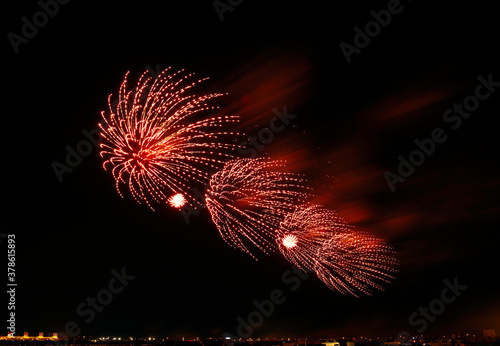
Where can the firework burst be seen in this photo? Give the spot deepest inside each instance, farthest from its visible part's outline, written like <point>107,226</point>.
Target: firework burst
<point>316,239</point>
<point>303,232</point>
<point>248,198</point>
<point>157,139</point>
<point>355,262</point>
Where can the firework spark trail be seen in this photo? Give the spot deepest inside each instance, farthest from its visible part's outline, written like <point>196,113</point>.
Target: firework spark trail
<point>155,140</point>
<point>346,260</point>
<point>248,198</point>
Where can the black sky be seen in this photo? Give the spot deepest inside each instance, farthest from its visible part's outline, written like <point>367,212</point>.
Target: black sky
<point>358,116</point>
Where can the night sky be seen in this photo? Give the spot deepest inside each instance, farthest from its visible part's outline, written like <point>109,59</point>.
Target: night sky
<point>353,122</point>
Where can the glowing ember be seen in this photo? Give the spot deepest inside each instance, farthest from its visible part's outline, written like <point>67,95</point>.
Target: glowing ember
<point>290,241</point>
<point>177,201</point>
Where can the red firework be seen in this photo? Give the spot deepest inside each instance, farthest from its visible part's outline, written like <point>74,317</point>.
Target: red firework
<point>248,198</point>
<point>316,239</point>
<point>303,232</point>
<point>156,138</point>
<point>355,261</point>
<point>158,142</point>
